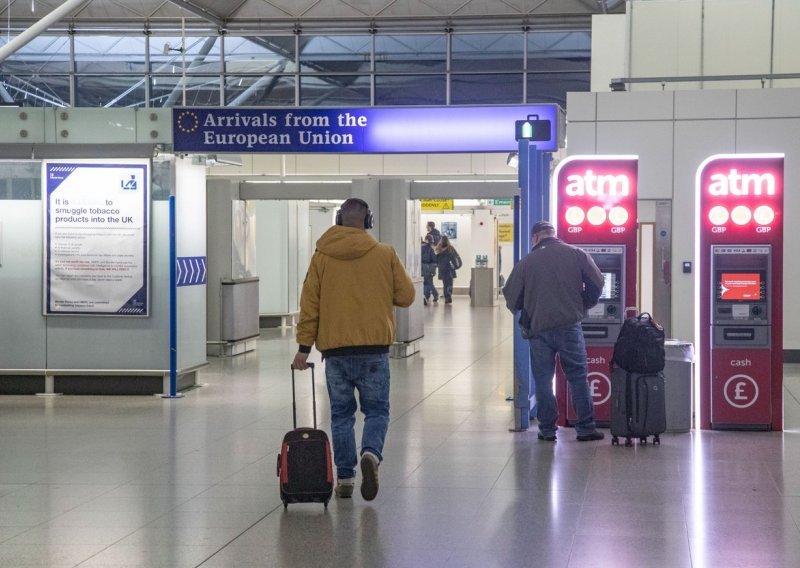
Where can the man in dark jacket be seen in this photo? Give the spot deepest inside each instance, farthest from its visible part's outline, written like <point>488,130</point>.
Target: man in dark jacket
<point>429,269</point>
<point>553,286</point>
<point>434,233</point>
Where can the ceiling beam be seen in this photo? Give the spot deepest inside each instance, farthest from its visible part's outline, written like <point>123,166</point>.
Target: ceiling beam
<point>33,32</point>
<point>215,19</point>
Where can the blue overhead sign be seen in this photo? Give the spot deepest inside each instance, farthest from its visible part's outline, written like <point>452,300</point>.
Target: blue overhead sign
<point>407,130</point>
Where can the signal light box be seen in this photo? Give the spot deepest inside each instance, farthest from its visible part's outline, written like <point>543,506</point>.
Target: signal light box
<point>739,291</point>
<point>596,210</point>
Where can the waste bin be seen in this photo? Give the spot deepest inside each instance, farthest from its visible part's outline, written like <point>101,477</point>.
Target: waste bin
<point>678,379</point>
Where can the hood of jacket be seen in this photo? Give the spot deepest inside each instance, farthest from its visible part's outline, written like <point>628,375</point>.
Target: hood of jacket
<point>345,243</point>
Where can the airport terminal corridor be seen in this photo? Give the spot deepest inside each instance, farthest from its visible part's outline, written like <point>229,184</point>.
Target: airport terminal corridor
<point>144,482</point>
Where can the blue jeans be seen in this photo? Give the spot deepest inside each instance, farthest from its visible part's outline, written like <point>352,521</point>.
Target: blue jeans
<point>369,375</point>
<point>447,285</point>
<point>570,346</point>
<point>429,287</point>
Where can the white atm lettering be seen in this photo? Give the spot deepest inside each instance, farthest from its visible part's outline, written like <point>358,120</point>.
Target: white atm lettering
<point>596,360</point>
<point>737,391</point>
<point>741,363</point>
<point>597,185</point>
<point>593,387</point>
<point>741,184</point>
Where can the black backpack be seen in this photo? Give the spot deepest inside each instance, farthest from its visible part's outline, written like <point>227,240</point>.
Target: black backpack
<point>640,345</point>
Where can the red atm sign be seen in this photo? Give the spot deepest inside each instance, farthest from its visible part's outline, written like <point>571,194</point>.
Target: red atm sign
<point>596,197</point>
<point>740,196</point>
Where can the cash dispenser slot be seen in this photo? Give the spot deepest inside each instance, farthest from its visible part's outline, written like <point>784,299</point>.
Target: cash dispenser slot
<point>739,334</point>
<point>595,331</point>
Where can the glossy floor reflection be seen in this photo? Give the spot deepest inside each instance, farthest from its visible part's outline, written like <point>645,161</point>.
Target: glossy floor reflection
<point>145,482</point>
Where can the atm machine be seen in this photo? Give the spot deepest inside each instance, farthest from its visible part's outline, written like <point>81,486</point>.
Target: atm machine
<point>739,292</point>
<point>595,210</point>
<point>740,337</point>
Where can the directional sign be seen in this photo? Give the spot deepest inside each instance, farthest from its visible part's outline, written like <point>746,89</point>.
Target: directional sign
<point>191,270</point>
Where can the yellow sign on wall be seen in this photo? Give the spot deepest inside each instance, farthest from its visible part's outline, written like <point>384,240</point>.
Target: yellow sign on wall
<point>505,232</point>
<point>437,204</point>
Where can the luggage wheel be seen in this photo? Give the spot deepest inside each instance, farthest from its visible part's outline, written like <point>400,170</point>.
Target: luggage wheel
<point>614,441</point>
<point>656,440</point>
<point>643,440</point>
<point>628,442</point>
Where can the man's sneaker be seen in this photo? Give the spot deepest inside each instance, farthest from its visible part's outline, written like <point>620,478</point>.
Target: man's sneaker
<point>547,437</point>
<point>591,436</point>
<point>344,488</point>
<point>369,471</point>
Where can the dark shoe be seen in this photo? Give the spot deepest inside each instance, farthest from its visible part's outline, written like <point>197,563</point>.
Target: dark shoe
<point>436,300</point>
<point>425,301</point>
<point>547,437</point>
<point>448,300</point>
<point>369,471</point>
<point>591,437</point>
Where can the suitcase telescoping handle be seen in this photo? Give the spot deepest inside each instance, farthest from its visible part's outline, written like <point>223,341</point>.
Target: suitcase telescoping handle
<point>313,397</point>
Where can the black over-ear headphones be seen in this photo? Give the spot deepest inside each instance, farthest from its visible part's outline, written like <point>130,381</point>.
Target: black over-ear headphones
<point>369,219</point>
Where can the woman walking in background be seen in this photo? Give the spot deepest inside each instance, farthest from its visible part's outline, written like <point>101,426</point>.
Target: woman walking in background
<point>448,262</point>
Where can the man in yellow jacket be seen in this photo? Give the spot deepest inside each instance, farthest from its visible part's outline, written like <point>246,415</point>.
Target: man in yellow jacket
<point>346,309</point>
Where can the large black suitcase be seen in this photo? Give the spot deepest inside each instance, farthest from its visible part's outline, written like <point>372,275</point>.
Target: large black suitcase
<point>638,406</point>
<point>304,464</point>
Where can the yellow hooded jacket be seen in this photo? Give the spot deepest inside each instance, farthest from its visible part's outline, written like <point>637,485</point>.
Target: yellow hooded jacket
<point>350,288</point>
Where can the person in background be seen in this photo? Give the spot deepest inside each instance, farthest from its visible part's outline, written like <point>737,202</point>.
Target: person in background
<point>429,269</point>
<point>346,309</point>
<point>447,261</point>
<point>554,285</point>
<point>434,232</point>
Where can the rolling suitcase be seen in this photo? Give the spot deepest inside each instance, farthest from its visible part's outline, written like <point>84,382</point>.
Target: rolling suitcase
<point>304,464</point>
<point>638,406</point>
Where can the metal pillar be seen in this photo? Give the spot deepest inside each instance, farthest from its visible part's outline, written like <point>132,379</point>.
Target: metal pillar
<point>531,206</point>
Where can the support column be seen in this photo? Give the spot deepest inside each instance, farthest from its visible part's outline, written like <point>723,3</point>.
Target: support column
<point>532,205</point>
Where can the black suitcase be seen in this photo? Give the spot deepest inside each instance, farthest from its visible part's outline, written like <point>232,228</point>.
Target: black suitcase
<point>638,406</point>
<point>304,464</point>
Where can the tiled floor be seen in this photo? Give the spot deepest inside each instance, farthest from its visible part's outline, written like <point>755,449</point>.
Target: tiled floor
<point>146,482</point>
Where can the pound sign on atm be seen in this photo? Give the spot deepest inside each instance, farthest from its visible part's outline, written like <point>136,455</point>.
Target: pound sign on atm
<point>738,391</point>
<point>594,385</point>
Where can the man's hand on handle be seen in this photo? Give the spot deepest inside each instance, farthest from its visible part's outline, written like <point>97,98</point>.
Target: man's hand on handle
<point>300,361</point>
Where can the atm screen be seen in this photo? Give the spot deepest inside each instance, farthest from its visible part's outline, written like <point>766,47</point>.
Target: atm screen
<point>610,286</point>
<point>733,286</point>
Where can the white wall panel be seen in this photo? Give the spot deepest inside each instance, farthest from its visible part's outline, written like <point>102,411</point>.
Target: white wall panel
<point>787,41</point>
<point>651,139</point>
<point>705,104</point>
<point>405,164</point>
<point>581,106</point>
<point>635,106</point>
<point>22,325</point>
<point>736,39</point>
<point>360,164</point>
<point>445,164</point>
<point>609,40</point>
<point>272,252</point>
<point>190,208</point>
<point>317,164</point>
<point>665,40</point>
<point>768,103</point>
<point>581,137</point>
